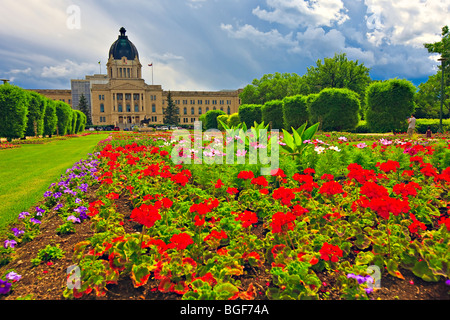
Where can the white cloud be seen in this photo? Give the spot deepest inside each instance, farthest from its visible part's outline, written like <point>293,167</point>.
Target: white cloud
<point>68,69</point>
<point>406,22</point>
<point>295,13</point>
<point>272,38</point>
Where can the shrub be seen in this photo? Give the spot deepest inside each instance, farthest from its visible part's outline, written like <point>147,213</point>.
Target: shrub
<point>211,118</point>
<point>50,118</point>
<point>234,120</point>
<point>64,114</point>
<point>13,111</point>
<point>224,119</point>
<point>335,109</point>
<point>389,103</point>
<point>36,113</point>
<point>295,111</point>
<point>81,121</point>
<point>249,113</point>
<point>272,112</point>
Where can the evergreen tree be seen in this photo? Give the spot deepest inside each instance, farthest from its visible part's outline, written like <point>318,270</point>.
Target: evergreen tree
<point>171,112</point>
<point>83,107</point>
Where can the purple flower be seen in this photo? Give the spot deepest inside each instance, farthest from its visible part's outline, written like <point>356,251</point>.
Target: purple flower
<point>447,282</point>
<point>73,219</point>
<point>17,232</point>
<point>10,243</point>
<point>5,286</point>
<point>58,206</point>
<point>56,195</point>
<point>83,187</point>
<point>13,276</point>
<point>22,215</point>
<point>39,211</point>
<point>47,194</point>
<point>35,221</point>
<point>78,200</point>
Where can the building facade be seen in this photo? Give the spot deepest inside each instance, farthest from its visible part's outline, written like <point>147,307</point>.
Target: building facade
<point>124,99</point>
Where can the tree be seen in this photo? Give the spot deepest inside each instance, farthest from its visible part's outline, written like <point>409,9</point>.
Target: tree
<point>428,98</point>
<point>13,111</point>
<point>389,104</point>
<point>211,119</point>
<point>50,118</point>
<point>272,87</point>
<point>338,72</point>
<point>337,109</point>
<point>443,49</point>
<point>84,107</point>
<point>171,112</point>
<point>36,113</point>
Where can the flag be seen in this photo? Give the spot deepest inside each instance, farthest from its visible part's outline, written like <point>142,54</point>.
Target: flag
<point>99,62</point>
<point>151,64</point>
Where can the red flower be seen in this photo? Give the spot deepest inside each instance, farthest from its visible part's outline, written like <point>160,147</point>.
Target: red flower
<point>331,188</point>
<point>406,189</point>
<point>260,181</point>
<point>219,184</point>
<point>307,180</point>
<point>146,215</point>
<point>330,252</point>
<point>298,210</point>
<point>285,194</point>
<point>388,166</point>
<point>247,218</point>
<point>373,190</point>
<point>309,171</point>
<point>245,175</point>
<point>428,170</point>
<point>93,207</point>
<point>232,190</point>
<point>414,227</point>
<point>181,240</point>
<point>112,196</point>
<point>361,175</point>
<point>278,173</point>
<point>166,202</point>
<point>216,235</point>
<point>281,222</point>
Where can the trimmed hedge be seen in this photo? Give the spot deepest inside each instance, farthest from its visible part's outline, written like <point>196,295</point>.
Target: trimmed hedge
<point>36,113</point>
<point>272,112</point>
<point>389,103</point>
<point>336,109</point>
<point>211,119</point>
<point>234,120</point>
<point>13,111</point>
<point>50,119</point>
<point>249,113</point>
<point>295,111</point>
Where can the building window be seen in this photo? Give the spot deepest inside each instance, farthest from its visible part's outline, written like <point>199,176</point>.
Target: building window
<point>229,110</point>
<point>192,101</point>
<point>120,96</point>
<point>184,110</point>
<point>200,110</point>
<point>207,109</point>
<point>136,108</point>
<point>102,107</point>
<point>120,107</point>
<point>199,101</point>
<point>192,111</point>
<point>127,96</point>
<point>128,108</point>
<point>153,107</point>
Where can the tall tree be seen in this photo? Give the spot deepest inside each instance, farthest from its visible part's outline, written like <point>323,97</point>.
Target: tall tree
<point>338,72</point>
<point>428,98</point>
<point>13,111</point>
<point>443,48</point>
<point>84,107</point>
<point>171,112</point>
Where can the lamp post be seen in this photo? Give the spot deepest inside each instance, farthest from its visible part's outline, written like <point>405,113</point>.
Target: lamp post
<point>442,59</point>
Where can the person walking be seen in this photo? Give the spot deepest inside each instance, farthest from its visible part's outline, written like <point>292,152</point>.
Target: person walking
<point>411,126</point>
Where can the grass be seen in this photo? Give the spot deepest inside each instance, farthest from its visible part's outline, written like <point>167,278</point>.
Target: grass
<point>27,172</point>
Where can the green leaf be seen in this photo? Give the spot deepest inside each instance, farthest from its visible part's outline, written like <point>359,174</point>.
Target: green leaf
<point>301,129</point>
<point>422,270</point>
<point>225,290</point>
<point>288,139</point>
<point>310,132</point>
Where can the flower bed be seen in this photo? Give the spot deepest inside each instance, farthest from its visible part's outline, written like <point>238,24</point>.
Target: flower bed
<point>340,222</point>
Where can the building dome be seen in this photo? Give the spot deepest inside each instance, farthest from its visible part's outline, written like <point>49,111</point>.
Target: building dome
<point>123,47</point>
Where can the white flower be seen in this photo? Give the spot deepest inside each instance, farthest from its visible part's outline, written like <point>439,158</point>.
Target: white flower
<point>335,148</point>
<point>319,150</point>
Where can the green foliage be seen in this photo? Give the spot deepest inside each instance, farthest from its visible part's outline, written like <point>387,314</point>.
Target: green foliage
<point>47,254</point>
<point>272,112</point>
<point>171,112</point>
<point>428,98</point>
<point>36,113</point>
<point>335,109</point>
<point>338,72</point>
<point>234,120</point>
<point>210,119</point>
<point>50,119</point>
<point>13,111</point>
<point>64,114</point>
<point>295,111</point>
<point>273,87</point>
<point>389,104</point>
<point>73,127</point>
<point>84,108</point>
<point>250,113</point>
<point>295,143</point>
<point>223,118</point>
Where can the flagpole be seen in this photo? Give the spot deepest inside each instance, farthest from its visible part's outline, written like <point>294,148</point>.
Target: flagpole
<point>151,65</point>
<point>100,66</point>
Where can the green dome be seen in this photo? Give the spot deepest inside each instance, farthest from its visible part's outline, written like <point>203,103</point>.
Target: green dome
<point>123,47</point>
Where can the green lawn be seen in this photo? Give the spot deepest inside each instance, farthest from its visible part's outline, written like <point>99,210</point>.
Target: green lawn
<point>27,172</point>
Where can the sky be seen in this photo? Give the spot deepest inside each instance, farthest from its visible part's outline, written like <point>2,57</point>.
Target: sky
<point>216,44</point>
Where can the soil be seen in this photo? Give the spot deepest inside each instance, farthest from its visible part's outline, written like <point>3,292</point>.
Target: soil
<point>47,282</point>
